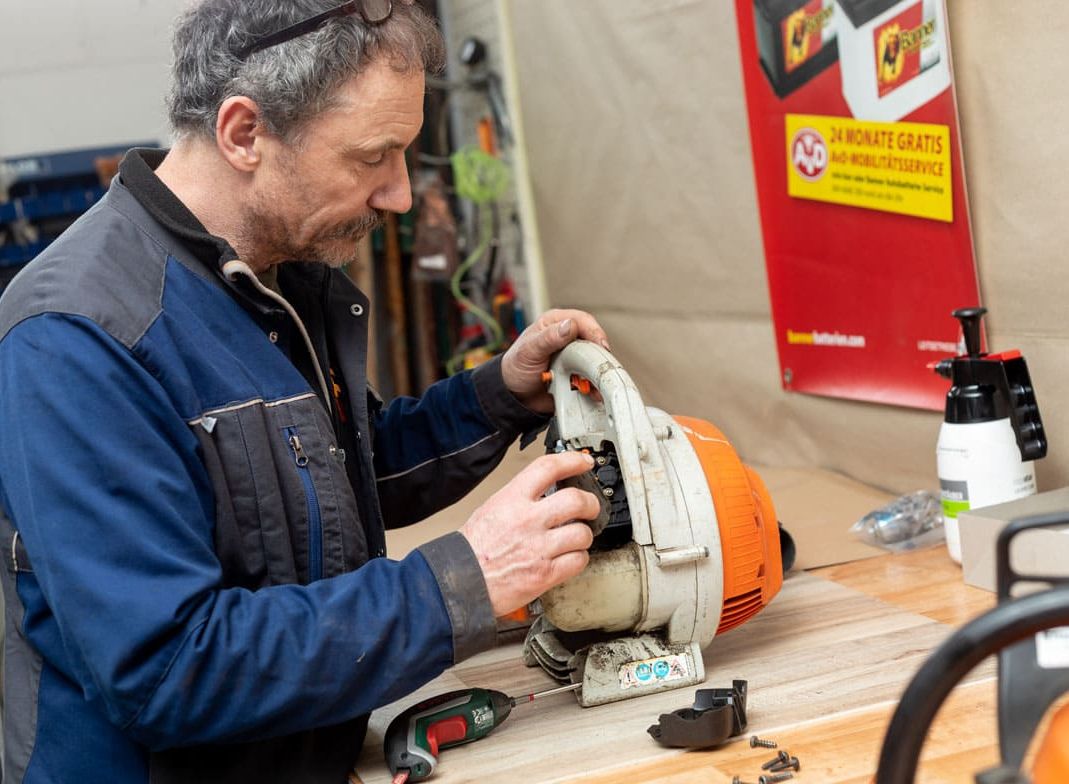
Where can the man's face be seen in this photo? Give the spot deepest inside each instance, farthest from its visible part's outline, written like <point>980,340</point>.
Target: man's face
<point>315,199</point>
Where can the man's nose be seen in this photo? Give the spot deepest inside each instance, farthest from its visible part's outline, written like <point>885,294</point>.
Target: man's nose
<point>395,194</point>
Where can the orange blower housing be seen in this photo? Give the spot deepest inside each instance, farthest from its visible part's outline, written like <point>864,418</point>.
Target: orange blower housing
<point>749,530</point>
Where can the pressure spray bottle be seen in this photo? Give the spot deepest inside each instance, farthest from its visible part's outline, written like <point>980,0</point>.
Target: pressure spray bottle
<point>991,432</point>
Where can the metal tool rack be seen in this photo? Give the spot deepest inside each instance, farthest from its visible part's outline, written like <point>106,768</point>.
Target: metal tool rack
<point>46,195</point>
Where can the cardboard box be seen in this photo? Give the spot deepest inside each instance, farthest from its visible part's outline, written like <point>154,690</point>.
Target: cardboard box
<point>1036,552</point>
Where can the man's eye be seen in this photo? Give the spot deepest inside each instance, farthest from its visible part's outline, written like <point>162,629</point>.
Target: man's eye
<point>375,160</point>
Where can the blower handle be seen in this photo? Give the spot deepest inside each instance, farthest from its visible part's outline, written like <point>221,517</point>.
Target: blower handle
<point>619,416</point>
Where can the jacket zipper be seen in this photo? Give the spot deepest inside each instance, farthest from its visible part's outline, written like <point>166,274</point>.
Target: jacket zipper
<point>236,267</point>
<point>315,519</point>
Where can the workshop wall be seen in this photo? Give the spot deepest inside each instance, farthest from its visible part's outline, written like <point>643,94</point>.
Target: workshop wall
<point>99,81</point>
<point>640,159</point>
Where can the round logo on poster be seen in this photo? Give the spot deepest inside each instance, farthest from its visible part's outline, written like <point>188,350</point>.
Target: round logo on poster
<point>809,154</point>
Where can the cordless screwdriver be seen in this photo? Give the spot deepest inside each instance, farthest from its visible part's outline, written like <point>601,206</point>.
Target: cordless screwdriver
<point>416,737</point>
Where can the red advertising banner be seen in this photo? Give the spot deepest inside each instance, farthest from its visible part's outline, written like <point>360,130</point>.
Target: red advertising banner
<point>861,187</point>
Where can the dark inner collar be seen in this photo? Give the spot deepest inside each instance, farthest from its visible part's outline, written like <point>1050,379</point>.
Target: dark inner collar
<point>137,172</point>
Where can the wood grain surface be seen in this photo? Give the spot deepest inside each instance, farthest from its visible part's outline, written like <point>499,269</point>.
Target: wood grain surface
<point>826,662</point>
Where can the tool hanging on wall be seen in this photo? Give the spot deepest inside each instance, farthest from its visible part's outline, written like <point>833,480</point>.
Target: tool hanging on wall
<point>434,246</point>
<point>480,77</point>
<point>481,179</point>
<point>490,312</point>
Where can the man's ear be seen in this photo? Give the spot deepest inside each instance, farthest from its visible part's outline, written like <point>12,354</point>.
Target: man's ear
<point>237,131</point>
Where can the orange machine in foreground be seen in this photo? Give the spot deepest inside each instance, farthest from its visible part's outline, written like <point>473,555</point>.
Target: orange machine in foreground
<point>687,545</point>
<point>1028,635</point>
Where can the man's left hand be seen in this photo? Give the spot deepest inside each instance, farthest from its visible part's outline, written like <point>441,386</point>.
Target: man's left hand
<point>528,358</point>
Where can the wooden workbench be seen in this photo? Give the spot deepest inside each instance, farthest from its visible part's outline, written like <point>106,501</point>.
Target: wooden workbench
<point>826,662</point>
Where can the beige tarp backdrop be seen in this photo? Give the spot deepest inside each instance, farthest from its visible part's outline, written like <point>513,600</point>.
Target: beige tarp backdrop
<point>640,164</point>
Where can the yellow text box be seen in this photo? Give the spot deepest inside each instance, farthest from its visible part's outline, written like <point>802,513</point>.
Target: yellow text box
<point>892,167</point>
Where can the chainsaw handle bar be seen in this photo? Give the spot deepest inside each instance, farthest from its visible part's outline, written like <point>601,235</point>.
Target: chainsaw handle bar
<point>983,636</point>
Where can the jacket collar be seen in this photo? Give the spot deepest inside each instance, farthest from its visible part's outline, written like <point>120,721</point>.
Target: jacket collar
<point>138,173</point>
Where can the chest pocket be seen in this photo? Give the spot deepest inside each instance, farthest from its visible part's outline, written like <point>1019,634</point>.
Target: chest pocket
<point>285,510</point>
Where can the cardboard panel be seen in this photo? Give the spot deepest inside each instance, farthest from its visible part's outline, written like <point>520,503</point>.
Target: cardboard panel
<point>638,144</point>
<point>1040,552</point>
<point>640,158</point>
<point>1010,67</point>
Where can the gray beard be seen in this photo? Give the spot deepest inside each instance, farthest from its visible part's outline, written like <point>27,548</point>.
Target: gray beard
<point>266,239</point>
<point>329,247</point>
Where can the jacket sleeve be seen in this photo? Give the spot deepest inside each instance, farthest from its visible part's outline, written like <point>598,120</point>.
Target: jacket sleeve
<point>101,478</point>
<point>431,451</point>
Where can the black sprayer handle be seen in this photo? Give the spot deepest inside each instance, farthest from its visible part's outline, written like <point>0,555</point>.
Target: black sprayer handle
<point>970,328</point>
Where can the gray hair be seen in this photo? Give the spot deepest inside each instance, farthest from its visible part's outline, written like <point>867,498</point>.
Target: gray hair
<point>292,82</point>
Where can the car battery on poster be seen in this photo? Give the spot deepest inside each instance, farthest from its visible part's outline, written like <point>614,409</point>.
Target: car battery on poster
<point>894,54</point>
<point>796,39</point>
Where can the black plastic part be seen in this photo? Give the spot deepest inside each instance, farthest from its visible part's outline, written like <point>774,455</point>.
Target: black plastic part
<point>788,550</point>
<point>690,729</point>
<point>1005,625</point>
<point>944,368</point>
<point>472,51</point>
<point>502,705</point>
<point>717,714</point>
<point>1002,775</point>
<point>618,530</point>
<point>970,328</point>
<point>1025,690</point>
<point>987,387</point>
<point>615,531</point>
<point>735,697</point>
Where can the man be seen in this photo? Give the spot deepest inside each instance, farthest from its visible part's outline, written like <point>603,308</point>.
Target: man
<point>194,475</point>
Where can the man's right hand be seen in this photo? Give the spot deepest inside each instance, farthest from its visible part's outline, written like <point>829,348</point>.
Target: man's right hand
<point>526,544</point>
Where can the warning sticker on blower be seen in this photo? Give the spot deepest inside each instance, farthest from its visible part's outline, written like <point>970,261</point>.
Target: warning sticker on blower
<point>650,671</point>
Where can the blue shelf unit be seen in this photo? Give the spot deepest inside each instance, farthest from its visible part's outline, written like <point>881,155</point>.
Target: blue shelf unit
<point>50,191</point>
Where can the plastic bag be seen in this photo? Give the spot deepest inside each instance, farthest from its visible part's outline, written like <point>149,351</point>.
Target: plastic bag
<point>910,522</point>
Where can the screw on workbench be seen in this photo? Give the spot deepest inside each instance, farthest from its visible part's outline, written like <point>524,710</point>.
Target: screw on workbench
<point>775,778</point>
<point>781,758</point>
<point>791,763</point>
<point>765,744</point>
<point>737,780</point>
